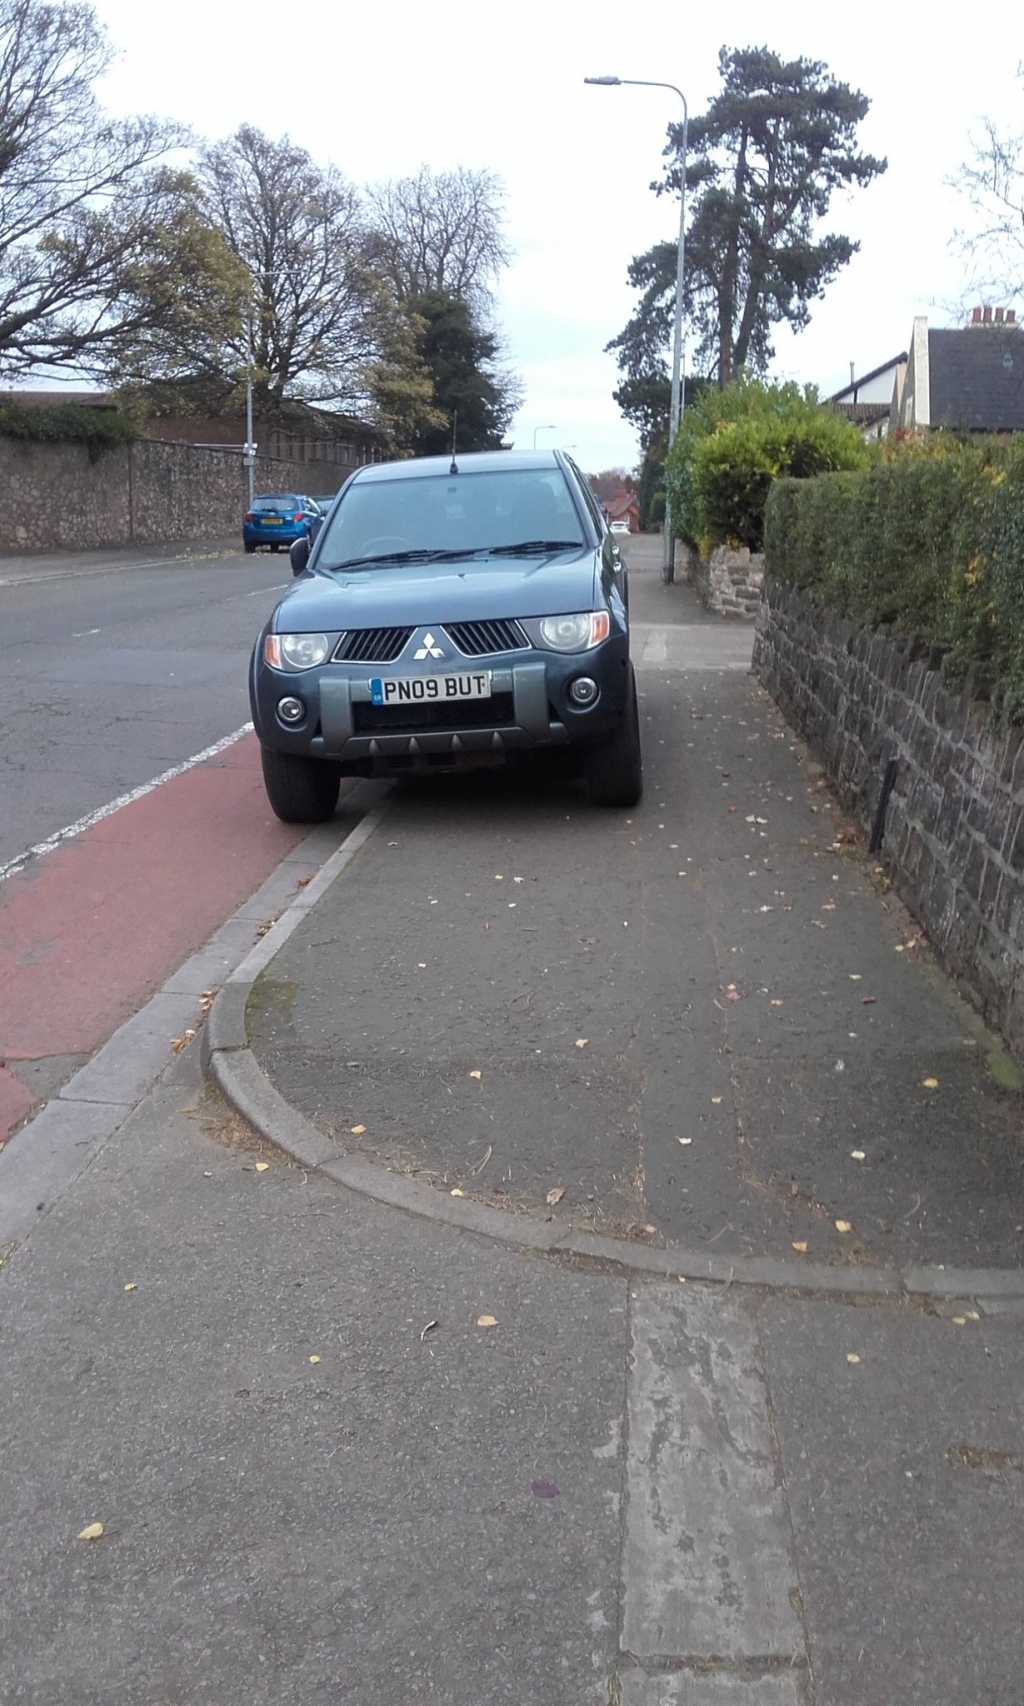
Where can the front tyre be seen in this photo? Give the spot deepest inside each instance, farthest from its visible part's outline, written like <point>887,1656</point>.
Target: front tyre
<point>300,789</point>
<point>614,770</point>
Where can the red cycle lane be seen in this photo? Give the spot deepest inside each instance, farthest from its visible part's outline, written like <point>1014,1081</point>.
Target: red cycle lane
<point>88,933</point>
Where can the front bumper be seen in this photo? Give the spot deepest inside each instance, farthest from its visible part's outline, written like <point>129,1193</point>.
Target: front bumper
<point>531,706</point>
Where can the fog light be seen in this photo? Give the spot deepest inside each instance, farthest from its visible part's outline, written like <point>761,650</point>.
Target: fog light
<point>584,691</point>
<point>291,710</point>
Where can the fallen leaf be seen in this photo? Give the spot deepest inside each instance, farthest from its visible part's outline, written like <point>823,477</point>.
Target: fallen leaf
<point>582,1042</point>
<point>314,1359</point>
<point>959,1320</point>
<point>856,977</point>
<point>857,1155</point>
<point>476,1074</point>
<point>263,1166</point>
<point>131,1286</point>
<point>929,1083</point>
<point>555,1195</point>
<point>182,1042</point>
<point>357,1130</point>
<point>852,1357</point>
<point>800,1246</point>
<point>685,1141</point>
<point>486,1321</point>
<point>716,1100</point>
<point>498,877</point>
<point>777,1003</point>
<point>429,1328</point>
<point>456,1192</point>
<point>843,1226</point>
<point>869,1001</point>
<point>95,1531</point>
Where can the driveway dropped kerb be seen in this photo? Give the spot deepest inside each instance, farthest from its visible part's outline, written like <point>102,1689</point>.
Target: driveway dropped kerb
<point>705,1024</point>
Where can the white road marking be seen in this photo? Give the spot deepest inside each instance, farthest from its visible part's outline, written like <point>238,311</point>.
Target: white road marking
<point>84,633</point>
<point>52,842</point>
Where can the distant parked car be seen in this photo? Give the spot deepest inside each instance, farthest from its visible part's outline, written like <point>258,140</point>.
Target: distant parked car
<point>279,519</point>
<point>619,527</point>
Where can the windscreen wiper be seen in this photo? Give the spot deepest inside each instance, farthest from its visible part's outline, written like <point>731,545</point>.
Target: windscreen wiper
<point>534,547</point>
<point>397,557</point>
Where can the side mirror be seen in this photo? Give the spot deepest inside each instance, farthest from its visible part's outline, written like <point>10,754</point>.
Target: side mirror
<point>299,555</point>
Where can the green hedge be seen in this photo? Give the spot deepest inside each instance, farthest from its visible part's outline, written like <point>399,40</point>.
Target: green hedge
<point>68,423</point>
<point>735,443</point>
<point>929,542</point>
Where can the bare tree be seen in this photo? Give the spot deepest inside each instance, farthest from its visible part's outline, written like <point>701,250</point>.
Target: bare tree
<point>88,204</point>
<point>440,233</point>
<point>993,183</point>
<point>318,312</point>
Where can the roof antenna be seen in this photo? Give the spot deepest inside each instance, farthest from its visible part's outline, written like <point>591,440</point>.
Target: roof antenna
<point>455,427</point>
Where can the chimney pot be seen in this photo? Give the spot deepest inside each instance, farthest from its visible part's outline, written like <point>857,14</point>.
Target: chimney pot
<point>988,317</point>
<point>999,316</point>
<point>975,316</point>
<point>1011,317</point>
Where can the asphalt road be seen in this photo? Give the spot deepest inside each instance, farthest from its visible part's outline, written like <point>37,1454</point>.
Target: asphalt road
<point>113,668</point>
<point>116,668</point>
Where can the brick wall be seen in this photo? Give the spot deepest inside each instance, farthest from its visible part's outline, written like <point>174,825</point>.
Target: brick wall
<point>53,498</point>
<point>954,832</point>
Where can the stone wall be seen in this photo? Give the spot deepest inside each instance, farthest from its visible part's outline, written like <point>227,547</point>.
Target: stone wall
<point>53,498</point>
<point>954,828</point>
<point>729,582</point>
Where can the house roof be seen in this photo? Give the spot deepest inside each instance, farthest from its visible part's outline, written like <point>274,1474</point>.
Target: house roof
<point>866,378</point>
<point>863,413</point>
<point>621,504</point>
<point>976,378</point>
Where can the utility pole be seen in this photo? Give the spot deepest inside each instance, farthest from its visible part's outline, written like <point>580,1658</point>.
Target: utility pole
<point>250,448</point>
<point>678,391</point>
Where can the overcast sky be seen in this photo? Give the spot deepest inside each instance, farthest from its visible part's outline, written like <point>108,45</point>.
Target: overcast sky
<point>381,89</point>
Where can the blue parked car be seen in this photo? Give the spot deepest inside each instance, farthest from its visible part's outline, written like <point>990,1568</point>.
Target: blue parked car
<point>278,520</point>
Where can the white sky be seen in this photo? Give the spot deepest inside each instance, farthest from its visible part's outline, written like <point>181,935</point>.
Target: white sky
<point>380,89</point>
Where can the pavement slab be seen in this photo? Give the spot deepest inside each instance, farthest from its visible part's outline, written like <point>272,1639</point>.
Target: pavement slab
<point>409,1517</point>
<point>905,1480</point>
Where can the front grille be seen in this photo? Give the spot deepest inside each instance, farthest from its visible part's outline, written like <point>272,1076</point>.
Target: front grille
<point>483,639</point>
<point>372,645</point>
<point>496,712</point>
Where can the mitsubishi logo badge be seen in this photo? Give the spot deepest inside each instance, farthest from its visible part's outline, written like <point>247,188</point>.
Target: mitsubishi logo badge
<point>429,648</point>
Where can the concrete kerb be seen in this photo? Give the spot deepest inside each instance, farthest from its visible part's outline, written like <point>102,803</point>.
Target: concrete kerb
<point>231,1065</point>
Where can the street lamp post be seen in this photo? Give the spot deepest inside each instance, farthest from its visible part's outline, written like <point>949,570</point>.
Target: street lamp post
<point>551,427</point>
<point>678,397</point>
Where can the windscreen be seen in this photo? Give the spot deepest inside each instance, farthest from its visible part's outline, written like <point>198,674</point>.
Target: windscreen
<point>451,512</point>
<point>276,506</point>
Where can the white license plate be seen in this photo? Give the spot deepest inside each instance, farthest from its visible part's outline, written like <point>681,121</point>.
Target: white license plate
<point>430,689</point>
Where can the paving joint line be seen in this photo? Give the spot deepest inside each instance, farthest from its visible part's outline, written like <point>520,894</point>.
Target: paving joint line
<point>231,1064</point>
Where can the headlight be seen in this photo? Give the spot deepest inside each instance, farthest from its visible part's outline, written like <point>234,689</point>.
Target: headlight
<point>575,633</point>
<point>296,651</point>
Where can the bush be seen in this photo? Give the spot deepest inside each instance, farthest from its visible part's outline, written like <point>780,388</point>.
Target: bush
<point>68,423</point>
<point>929,542</point>
<point>735,443</point>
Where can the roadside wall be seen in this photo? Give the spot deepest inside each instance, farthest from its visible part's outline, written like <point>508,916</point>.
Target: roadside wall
<point>53,498</point>
<point>954,831</point>
<point>729,582</point>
